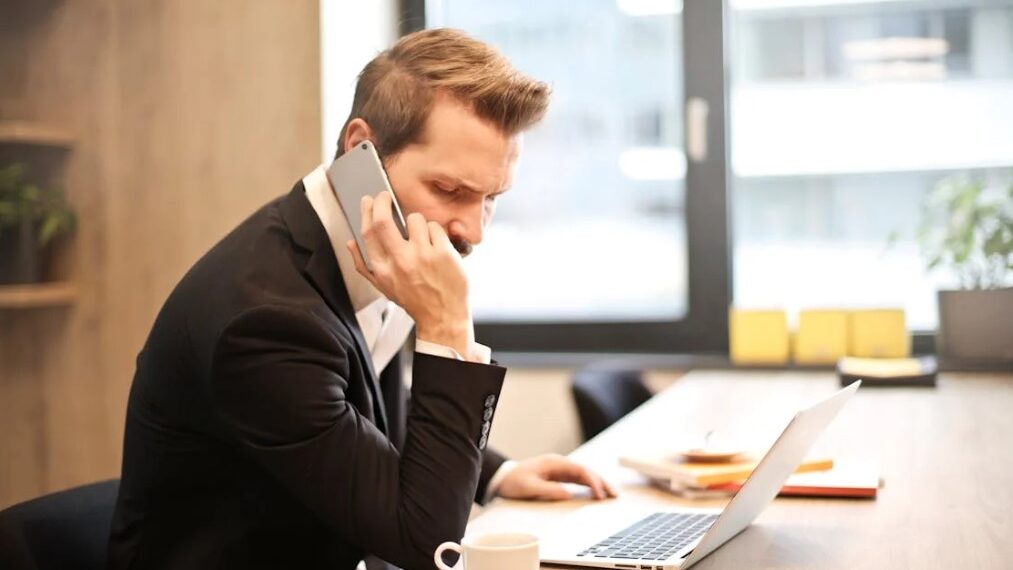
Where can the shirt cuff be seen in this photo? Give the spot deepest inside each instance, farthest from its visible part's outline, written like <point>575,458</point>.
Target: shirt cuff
<point>497,479</point>
<point>480,353</point>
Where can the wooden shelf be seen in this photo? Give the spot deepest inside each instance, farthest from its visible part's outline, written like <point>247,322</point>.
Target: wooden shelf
<point>39,134</point>
<point>38,295</point>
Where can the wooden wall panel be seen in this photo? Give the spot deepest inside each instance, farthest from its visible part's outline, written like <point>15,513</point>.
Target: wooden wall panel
<point>70,74</point>
<point>39,81</point>
<point>189,115</point>
<point>22,447</point>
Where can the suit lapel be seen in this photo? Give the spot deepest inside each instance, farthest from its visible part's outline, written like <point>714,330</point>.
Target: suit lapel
<point>322,271</point>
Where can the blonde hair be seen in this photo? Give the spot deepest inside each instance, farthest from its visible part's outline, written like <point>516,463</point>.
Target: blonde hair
<point>395,90</point>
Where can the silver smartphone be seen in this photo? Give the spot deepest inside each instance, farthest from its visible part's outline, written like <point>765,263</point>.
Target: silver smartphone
<point>357,173</point>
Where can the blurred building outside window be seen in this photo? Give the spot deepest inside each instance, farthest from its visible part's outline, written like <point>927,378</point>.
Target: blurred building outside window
<point>593,229</point>
<point>843,114</point>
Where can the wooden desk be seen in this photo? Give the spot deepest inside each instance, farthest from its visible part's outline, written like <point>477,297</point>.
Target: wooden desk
<point>945,454</point>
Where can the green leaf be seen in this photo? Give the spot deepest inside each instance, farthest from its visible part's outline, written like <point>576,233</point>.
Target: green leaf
<point>57,223</point>
<point>48,230</point>
<point>31,193</point>
<point>967,229</point>
<point>993,245</point>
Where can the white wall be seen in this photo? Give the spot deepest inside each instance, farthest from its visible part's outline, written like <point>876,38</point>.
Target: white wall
<point>351,34</point>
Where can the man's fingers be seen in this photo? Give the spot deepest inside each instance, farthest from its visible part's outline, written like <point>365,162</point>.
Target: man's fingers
<point>570,472</point>
<point>360,263</point>
<point>439,237</point>
<point>369,237</point>
<point>418,230</point>
<point>549,491</point>
<point>383,223</point>
<point>366,212</point>
<point>611,490</point>
<point>595,484</point>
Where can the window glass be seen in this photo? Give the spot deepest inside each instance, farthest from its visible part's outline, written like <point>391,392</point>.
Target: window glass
<point>843,116</point>
<point>593,228</point>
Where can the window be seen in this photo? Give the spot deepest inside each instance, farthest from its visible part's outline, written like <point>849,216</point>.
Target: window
<point>833,152</point>
<point>841,115</point>
<point>595,220</point>
<point>617,247</point>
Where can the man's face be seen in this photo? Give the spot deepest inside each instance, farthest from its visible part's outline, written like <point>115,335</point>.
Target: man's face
<point>455,172</point>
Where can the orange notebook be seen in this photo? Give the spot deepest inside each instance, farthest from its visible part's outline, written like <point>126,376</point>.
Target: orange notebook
<point>706,474</point>
<point>856,480</point>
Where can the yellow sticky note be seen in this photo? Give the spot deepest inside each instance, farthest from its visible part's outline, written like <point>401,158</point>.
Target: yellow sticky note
<point>758,337</point>
<point>822,336</point>
<point>878,333</point>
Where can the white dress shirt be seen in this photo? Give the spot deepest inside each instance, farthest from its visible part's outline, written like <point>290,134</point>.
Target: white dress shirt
<point>385,325</point>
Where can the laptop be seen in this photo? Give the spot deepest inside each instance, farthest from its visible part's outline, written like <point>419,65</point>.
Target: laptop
<point>618,536</point>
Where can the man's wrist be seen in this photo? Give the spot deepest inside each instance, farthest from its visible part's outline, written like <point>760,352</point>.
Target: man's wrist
<point>479,352</point>
<point>457,336</point>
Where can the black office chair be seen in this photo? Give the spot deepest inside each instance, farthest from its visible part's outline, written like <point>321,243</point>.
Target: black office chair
<point>605,394</point>
<point>68,530</point>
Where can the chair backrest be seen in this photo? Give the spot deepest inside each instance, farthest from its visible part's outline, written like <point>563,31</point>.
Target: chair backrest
<point>67,530</point>
<point>604,395</point>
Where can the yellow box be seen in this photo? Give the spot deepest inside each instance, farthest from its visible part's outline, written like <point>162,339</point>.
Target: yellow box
<point>822,336</point>
<point>878,333</point>
<point>758,337</point>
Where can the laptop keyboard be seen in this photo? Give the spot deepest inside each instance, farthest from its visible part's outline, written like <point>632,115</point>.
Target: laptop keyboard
<point>655,537</point>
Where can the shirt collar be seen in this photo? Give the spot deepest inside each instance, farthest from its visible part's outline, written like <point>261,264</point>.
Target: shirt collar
<point>321,197</point>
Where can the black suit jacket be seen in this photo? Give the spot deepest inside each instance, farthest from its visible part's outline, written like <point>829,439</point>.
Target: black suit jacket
<point>258,435</point>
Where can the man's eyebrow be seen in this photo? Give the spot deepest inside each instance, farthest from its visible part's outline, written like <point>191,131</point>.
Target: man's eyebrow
<point>460,183</point>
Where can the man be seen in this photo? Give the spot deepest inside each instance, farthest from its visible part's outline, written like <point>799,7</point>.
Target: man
<point>268,424</point>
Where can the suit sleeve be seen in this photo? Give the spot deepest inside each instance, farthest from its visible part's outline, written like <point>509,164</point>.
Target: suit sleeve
<point>280,378</point>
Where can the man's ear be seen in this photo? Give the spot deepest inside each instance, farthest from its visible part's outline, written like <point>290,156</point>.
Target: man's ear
<point>358,131</point>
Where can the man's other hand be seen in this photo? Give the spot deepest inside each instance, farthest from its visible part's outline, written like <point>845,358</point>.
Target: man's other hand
<point>542,477</point>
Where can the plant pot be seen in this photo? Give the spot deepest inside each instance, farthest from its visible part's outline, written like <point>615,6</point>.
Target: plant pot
<point>975,326</point>
<point>20,256</point>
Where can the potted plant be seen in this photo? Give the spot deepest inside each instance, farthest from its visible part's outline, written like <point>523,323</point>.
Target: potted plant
<point>31,217</point>
<point>967,228</point>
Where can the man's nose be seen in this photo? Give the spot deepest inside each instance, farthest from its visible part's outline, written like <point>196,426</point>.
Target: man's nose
<point>468,226</point>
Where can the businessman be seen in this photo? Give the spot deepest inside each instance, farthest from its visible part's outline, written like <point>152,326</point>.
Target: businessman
<point>269,425</point>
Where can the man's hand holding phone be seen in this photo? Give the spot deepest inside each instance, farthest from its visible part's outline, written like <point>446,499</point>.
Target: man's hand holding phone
<point>423,274</point>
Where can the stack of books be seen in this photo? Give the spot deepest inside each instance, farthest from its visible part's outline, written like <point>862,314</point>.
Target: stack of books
<point>815,477</point>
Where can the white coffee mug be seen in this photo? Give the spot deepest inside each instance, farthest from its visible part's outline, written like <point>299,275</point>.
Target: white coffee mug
<point>493,551</point>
